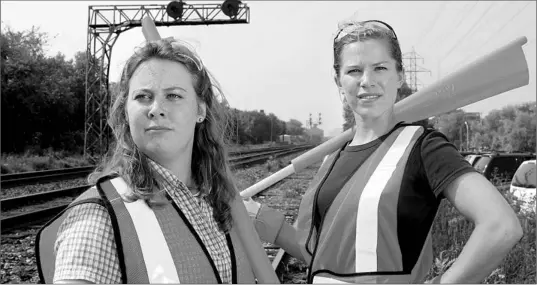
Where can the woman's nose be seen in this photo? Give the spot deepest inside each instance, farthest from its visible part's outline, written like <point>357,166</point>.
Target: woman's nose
<point>367,79</point>
<point>156,109</point>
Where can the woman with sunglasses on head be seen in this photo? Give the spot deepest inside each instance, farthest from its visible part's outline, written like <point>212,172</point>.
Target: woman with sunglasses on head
<point>368,213</point>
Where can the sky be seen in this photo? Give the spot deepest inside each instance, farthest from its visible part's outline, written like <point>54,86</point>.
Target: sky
<point>281,60</point>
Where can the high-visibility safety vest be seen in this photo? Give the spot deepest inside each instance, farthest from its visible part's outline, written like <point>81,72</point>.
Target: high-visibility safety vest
<point>155,245</point>
<point>359,238</point>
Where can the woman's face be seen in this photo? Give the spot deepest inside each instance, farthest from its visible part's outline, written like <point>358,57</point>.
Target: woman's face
<point>368,78</point>
<point>162,109</point>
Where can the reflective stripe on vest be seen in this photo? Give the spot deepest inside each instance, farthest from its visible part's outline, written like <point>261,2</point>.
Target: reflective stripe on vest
<point>368,207</point>
<point>358,241</point>
<point>190,258</point>
<point>156,253</point>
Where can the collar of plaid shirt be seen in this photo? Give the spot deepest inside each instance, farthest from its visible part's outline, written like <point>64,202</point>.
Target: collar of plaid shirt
<point>201,218</point>
<point>170,179</point>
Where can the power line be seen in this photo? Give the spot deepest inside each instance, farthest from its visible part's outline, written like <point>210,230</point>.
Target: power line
<point>440,10</point>
<point>494,35</point>
<point>460,21</point>
<point>476,24</point>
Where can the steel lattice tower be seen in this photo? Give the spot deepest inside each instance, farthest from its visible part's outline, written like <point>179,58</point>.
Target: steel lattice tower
<point>105,24</point>
<point>412,69</point>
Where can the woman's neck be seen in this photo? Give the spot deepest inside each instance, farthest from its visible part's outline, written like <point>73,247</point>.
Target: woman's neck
<point>370,129</point>
<point>179,165</point>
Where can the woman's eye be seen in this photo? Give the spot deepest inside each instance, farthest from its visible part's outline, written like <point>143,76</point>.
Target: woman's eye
<point>354,70</point>
<point>174,96</point>
<point>141,97</point>
<point>381,68</point>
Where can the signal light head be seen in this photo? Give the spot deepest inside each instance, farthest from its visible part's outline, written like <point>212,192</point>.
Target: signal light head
<point>175,9</point>
<point>230,8</point>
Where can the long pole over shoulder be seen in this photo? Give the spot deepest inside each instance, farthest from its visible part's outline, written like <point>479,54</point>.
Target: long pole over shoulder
<point>259,261</point>
<point>502,70</point>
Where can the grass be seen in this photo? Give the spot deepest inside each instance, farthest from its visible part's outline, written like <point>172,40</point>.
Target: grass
<point>15,163</point>
<point>451,231</point>
<point>48,159</point>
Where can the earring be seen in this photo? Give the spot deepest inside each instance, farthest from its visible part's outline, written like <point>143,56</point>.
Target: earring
<point>200,120</point>
<point>342,97</point>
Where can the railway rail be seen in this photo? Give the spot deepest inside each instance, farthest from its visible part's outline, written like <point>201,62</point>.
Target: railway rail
<point>11,221</point>
<point>51,207</point>
<point>27,178</point>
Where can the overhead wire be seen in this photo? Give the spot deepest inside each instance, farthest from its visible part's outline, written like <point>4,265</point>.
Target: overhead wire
<point>494,34</point>
<point>474,26</point>
<point>438,12</point>
<point>459,22</point>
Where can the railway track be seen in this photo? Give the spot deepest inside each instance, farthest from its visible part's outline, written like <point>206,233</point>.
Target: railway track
<point>11,221</point>
<point>27,178</point>
<point>285,196</point>
<point>53,202</point>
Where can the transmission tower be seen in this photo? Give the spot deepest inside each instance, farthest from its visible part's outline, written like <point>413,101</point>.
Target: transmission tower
<point>319,122</point>
<point>107,22</point>
<point>412,69</point>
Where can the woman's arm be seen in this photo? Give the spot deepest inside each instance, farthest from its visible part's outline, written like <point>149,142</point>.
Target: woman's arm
<point>497,228</point>
<point>271,227</point>
<point>85,249</point>
<point>288,241</point>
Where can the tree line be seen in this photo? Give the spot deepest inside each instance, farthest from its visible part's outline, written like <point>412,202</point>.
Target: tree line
<point>43,99</point>
<point>512,128</point>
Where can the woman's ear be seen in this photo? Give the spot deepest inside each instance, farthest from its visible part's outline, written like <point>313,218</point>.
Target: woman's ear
<point>336,80</point>
<point>401,79</point>
<point>202,111</point>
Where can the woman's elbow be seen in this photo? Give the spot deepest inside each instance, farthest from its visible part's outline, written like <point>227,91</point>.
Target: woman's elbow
<point>507,229</point>
<point>515,230</point>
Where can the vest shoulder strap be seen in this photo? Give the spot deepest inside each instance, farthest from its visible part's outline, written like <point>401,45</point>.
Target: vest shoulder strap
<point>137,219</point>
<point>46,236</point>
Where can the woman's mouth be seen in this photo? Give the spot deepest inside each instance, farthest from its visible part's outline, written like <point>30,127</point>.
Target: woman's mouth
<point>368,97</point>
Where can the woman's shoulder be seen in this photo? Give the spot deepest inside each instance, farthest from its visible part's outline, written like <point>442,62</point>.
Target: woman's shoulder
<point>86,226</point>
<point>84,215</point>
<point>85,246</point>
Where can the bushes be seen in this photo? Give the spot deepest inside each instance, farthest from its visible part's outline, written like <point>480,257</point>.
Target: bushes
<point>42,160</point>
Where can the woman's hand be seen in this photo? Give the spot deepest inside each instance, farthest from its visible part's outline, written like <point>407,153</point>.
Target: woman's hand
<point>252,207</point>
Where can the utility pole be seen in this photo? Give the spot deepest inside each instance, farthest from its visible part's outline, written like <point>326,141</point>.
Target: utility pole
<point>237,119</point>
<point>460,139</point>
<point>270,128</point>
<point>471,116</point>
<point>412,69</point>
<point>467,135</point>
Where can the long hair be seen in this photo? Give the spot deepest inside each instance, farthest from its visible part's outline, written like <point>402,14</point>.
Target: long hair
<point>210,169</point>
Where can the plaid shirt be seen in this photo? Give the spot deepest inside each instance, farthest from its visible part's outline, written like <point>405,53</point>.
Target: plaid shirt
<point>85,247</point>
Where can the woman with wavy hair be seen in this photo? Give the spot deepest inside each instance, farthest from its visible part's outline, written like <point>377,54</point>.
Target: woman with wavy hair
<point>160,208</point>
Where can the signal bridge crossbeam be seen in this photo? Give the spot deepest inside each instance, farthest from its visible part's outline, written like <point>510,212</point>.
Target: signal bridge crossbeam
<point>106,23</point>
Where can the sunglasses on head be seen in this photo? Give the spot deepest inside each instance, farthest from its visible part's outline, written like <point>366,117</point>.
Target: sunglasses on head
<point>350,27</point>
